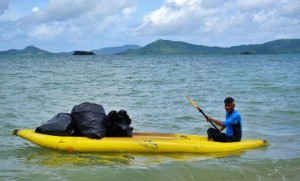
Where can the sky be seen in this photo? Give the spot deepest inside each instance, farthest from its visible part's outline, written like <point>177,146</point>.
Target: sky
<point>67,25</point>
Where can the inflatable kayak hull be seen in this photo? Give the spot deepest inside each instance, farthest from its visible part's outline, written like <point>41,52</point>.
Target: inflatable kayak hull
<point>140,142</point>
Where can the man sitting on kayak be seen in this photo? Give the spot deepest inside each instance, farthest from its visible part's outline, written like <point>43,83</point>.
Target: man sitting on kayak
<point>233,124</point>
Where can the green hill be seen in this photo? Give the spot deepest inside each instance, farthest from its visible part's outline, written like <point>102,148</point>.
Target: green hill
<point>173,47</point>
<point>284,46</point>
<point>164,47</point>
<point>30,50</point>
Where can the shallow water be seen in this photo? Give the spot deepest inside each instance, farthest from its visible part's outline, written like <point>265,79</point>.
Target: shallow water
<point>152,89</point>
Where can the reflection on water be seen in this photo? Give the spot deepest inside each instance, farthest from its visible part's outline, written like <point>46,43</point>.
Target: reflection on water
<point>44,157</point>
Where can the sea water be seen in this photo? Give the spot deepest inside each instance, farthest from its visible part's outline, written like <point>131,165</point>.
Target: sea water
<point>153,90</point>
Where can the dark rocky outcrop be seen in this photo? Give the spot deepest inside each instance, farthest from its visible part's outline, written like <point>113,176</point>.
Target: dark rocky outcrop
<point>83,53</point>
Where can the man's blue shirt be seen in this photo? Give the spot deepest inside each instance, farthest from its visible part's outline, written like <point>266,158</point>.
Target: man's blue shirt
<point>231,119</point>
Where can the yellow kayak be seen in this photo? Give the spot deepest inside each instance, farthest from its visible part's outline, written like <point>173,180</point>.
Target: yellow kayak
<point>140,142</point>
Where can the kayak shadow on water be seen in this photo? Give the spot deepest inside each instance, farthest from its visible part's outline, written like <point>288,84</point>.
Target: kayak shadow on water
<point>49,158</point>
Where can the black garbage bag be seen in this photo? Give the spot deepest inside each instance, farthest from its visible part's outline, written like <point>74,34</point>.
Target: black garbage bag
<point>124,116</point>
<point>118,124</point>
<point>60,125</point>
<point>90,120</point>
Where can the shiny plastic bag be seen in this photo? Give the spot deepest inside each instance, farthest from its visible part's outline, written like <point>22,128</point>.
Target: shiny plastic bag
<point>60,125</point>
<point>90,120</point>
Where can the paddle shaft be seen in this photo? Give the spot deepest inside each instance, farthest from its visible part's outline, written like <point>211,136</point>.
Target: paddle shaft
<point>200,110</point>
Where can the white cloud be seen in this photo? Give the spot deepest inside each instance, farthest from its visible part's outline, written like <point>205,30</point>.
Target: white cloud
<point>250,4</point>
<point>3,6</point>
<point>128,11</point>
<point>8,32</point>
<point>263,16</point>
<point>180,16</point>
<point>76,19</point>
<point>243,19</point>
<point>64,10</point>
<point>46,31</point>
<point>291,9</point>
<point>35,9</point>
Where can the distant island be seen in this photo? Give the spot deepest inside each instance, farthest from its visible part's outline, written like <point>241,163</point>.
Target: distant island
<point>77,52</point>
<point>246,53</point>
<point>168,47</point>
<point>30,50</point>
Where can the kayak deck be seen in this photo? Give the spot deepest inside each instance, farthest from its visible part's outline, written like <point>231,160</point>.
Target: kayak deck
<point>140,142</point>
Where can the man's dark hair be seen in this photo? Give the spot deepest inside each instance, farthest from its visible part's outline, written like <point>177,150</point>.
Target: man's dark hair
<point>229,100</point>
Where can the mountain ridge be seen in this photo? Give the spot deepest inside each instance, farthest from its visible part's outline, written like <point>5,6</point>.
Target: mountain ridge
<point>164,47</point>
<point>169,47</point>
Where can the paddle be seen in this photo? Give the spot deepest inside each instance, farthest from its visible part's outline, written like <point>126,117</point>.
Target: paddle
<point>200,110</point>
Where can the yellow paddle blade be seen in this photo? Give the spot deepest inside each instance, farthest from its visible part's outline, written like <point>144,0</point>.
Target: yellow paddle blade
<point>193,103</point>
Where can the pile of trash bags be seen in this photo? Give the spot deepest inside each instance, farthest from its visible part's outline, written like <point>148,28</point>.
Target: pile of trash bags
<point>89,120</point>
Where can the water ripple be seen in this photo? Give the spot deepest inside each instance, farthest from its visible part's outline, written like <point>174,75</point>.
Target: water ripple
<point>152,89</point>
